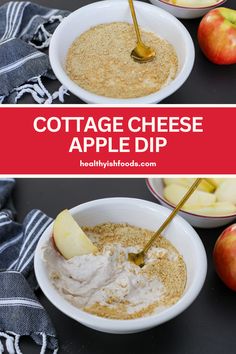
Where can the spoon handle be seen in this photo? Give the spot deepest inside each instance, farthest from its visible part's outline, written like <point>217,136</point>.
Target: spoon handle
<point>174,212</point>
<point>131,5</point>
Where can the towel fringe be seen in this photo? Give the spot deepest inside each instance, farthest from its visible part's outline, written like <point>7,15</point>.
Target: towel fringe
<point>42,35</point>
<point>1,348</point>
<point>39,92</point>
<point>12,343</point>
<point>44,345</point>
<point>9,343</point>
<point>62,91</point>
<point>33,94</point>
<point>17,347</point>
<point>16,342</point>
<point>55,18</point>
<point>43,88</point>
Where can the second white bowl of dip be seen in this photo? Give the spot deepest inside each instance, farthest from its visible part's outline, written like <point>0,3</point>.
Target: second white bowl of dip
<point>143,214</point>
<point>150,18</point>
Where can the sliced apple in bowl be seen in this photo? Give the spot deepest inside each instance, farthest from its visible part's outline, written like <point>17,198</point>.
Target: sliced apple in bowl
<point>226,192</point>
<point>174,193</point>
<point>216,209</point>
<point>206,185</point>
<point>69,238</point>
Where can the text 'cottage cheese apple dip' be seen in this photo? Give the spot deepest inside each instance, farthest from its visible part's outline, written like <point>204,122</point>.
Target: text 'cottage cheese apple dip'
<point>92,270</point>
<point>99,61</point>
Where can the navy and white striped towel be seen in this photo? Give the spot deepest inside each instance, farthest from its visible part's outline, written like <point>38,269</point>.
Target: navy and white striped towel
<point>25,30</point>
<point>20,312</point>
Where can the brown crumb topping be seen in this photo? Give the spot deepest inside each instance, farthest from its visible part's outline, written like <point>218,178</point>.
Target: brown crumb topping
<point>170,271</point>
<point>99,61</point>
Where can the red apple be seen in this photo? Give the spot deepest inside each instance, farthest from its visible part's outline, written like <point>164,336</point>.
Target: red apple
<point>224,256</point>
<point>217,35</point>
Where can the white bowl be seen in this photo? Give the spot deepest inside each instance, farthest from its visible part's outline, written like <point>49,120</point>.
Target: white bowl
<point>156,187</point>
<point>142,214</point>
<point>150,17</point>
<point>184,11</point>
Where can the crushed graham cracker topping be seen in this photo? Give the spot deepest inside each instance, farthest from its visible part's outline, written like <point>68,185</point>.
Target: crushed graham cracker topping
<point>171,271</point>
<point>99,61</point>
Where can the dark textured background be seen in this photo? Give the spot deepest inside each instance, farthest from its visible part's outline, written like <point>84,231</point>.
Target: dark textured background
<point>208,83</point>
<point>208,326</point>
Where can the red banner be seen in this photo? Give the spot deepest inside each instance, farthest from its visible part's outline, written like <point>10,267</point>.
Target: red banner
<point>117,140</point>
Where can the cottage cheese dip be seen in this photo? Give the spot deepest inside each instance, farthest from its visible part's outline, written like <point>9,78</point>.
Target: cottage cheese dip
<point>108,285</point>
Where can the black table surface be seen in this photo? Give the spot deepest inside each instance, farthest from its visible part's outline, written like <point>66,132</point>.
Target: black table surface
<point>207,84</point>
<point>208,326</point>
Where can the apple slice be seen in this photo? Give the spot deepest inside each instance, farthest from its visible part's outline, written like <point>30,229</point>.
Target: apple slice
<point>226,192</point>
<point>69,238</point>
<point>174,192</point>
<point>216,209</point>
<point>216,181</point>
<point>205,185</point>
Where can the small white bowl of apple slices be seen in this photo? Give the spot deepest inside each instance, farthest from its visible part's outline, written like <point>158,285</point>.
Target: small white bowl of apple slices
<point>187,9</point>
<point>212,205</point>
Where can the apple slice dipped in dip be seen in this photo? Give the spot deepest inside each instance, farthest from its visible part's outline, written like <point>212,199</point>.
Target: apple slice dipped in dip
<point>69,238</point>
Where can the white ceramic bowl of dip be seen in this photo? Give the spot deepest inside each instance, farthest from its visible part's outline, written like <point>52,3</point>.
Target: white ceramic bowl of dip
<point>150,17</point>
<point>156,187</point>
<point>186,12</point>
<point>143,214</point>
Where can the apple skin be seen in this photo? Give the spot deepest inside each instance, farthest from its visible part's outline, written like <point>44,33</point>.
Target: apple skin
<point>217,36</point>
<point>224,255</point>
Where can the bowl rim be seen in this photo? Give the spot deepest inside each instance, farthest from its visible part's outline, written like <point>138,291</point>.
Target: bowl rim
<point>160,197</point>
<point>105,324</point>
<point>219,3</point>
<point>88,96</point>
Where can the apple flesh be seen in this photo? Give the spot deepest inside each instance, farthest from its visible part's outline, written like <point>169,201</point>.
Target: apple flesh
<point>69,238</point>
<point>205,185</point>
<point>217,35</point>
<point>226,192</point>
<point>216,209</point>
<point>224,255</point>
<point>216,181</point>
<point>214,196</point>
<point>174,193</point>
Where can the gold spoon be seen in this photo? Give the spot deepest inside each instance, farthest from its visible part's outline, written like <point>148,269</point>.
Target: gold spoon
<point>141,52</point>
<point>138,258</point>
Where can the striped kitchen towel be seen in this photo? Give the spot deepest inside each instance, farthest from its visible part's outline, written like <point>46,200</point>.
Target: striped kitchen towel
<point>20,312</point>
<point>25,32</point>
